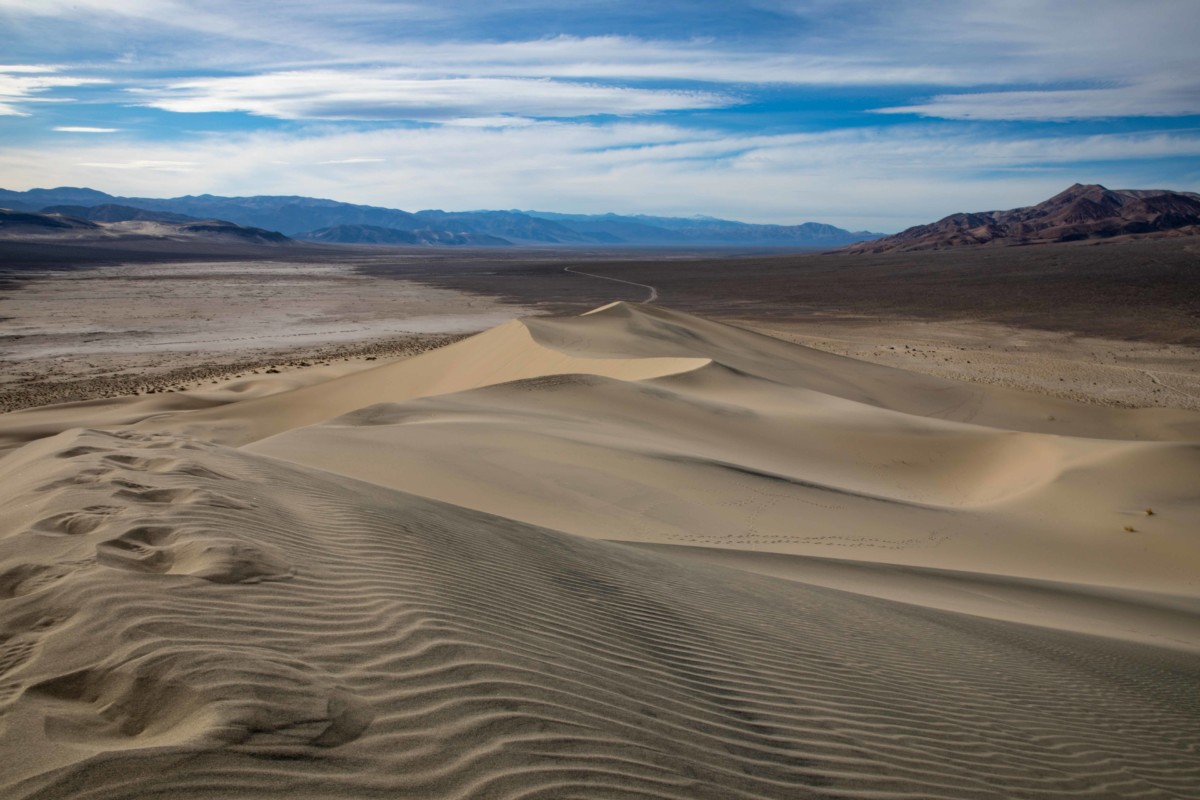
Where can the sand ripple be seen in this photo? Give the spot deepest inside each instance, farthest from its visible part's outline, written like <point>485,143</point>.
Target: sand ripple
<point>203,622</point>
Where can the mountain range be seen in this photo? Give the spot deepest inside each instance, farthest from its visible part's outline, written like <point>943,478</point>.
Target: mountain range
<point>110,222</point>
<point>1081,212</point>
<point>331,221</point>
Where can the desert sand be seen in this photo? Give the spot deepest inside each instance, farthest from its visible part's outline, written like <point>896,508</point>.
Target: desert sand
<point>628,553</point>
<point>1090,369</point>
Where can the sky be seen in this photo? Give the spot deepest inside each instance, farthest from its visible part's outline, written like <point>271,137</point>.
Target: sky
<point>866,114</point>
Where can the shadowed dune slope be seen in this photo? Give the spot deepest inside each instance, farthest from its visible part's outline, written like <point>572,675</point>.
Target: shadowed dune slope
<point>186,620</point>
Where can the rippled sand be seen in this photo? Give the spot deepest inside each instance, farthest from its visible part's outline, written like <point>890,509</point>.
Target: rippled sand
<point>633,553</point>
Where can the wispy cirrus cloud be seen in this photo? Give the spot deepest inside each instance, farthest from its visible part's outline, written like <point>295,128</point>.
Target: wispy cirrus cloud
<point>1049,61</point>
<point>82,129</point>
<point>144,165</point>
<point>1057,61</point>
<point>21,84</point>
<point>380,94</point>
<point>1167,96</point>
<point>356,160</point>
<point>616,57</point>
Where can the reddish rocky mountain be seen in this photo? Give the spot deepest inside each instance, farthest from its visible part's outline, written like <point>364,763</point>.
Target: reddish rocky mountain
<point>1081,212</point>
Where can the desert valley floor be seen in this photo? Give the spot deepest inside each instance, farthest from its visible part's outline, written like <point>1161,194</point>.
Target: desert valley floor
<point>603,549</point>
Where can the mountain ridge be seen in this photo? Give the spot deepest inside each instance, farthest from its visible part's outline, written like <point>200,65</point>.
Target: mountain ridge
<point>122,223</point>
<point>305,217</point>
<point>373,234</point>
<point>1078,213</point>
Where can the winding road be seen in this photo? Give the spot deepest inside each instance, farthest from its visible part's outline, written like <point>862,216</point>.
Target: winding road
<point>649,299</point>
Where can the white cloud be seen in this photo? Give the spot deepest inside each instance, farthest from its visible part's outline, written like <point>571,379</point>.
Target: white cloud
<point>1166,98</point>
<point>381,94</point>
<point>28,68</point>
<point>83,129</point>
<point>969,42</point>
<point>140,164</point>
<point>492,122</point>
<point>1058,61</point>
<point>52,8</point>
<point>354,161</point>
<point>1054,60</point>
<point>630,57</point>
<point>21,84</point>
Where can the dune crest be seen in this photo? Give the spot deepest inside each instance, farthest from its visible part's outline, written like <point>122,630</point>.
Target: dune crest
<point>505,353</point>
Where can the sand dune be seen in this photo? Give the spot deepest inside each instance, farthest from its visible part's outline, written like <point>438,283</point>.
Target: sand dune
<point>628,554</point>
<point>780,448</point>
<point>216,624</point>
<point>28,425</point>
<point>505,353</point>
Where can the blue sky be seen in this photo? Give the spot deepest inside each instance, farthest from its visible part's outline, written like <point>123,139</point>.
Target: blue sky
<point>873,115</point>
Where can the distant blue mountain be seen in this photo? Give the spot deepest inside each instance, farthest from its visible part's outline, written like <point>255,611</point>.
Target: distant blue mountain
<point>372,234</point>
<point>707,230</point>
<point>332,221</point>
